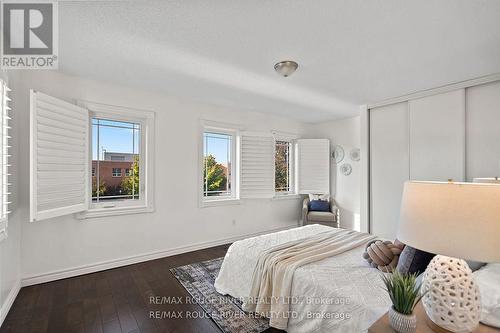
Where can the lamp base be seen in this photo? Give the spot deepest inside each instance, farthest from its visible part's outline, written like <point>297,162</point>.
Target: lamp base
<point>434,327</point>
<point>451,299</point>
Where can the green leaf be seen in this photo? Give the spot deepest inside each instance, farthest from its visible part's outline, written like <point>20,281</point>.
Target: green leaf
<point>403,292</point>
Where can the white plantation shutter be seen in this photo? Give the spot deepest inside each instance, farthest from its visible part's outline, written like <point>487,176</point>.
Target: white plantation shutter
<point>314,166</point>
<point>257,165</point>
<point>4,157</point>
<point>59,157</point>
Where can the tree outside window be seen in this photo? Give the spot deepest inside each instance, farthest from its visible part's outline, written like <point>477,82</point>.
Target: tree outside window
<point>130,184</point>
<point>217,164</point>
<point>214,176</point>
<point>282,166</point>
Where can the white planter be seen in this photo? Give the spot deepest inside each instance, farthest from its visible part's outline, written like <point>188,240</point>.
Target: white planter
<point>402,323</point>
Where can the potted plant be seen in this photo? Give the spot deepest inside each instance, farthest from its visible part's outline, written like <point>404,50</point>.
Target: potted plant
<point>404,294</point>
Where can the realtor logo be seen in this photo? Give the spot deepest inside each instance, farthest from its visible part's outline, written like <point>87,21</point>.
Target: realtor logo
<point>29,35</point>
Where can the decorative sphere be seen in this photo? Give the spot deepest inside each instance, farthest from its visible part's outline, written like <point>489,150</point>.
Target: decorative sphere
<point>451,300</point>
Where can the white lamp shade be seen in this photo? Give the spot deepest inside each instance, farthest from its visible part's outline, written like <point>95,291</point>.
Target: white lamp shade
<point>460,220</point>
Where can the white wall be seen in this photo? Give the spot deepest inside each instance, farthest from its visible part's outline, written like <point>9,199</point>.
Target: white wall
<point>345,189</point>
<point>66,243</point>
<point>10,250</point>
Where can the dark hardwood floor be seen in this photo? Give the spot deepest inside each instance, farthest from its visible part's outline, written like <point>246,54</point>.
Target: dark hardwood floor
<point>112,301</point>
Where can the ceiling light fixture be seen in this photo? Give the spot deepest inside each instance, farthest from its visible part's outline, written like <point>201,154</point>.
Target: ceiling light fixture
<point>286,68</point>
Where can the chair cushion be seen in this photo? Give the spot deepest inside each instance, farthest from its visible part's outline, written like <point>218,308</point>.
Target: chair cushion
<point>324,197</point>
<point>321,217</point>
<point>319,206</point>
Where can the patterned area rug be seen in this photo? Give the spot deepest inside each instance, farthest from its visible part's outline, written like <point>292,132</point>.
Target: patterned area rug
<point>225,311</point>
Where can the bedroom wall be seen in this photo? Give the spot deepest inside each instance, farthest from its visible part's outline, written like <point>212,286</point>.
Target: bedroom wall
<point>63,246</point>
<point>345,189</point>
<point>10,247</point>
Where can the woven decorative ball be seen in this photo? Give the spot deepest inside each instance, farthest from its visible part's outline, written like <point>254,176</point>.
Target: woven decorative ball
<point>383,255</point>
<point>451,299</point>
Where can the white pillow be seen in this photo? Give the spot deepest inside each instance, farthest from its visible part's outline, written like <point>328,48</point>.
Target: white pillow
<point>488,281</point>
<point>322,197</point>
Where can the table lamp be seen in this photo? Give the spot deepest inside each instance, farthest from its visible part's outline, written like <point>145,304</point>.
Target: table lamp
<point>456,221</point>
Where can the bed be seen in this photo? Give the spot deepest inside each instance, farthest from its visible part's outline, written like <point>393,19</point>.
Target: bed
<point>337,294</point>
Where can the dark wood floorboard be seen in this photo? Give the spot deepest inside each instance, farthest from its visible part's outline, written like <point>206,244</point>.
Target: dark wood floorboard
<point>112,301</point>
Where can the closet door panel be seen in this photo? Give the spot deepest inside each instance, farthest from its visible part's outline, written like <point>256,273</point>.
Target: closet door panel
<point>437,137</point>
<point>483,131</point>
<point>389,166</point>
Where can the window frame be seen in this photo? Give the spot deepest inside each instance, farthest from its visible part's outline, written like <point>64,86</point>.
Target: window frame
<point>146,120</point>
<point>290,168</point>
<point>233,131</point>
<point>292,193</point>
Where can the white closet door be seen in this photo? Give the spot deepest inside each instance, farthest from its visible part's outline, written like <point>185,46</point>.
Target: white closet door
<point>389,166</point>
<point>314,166</point>
<point>483,131</point>
<point>437,137</point>
<point>59,144</point>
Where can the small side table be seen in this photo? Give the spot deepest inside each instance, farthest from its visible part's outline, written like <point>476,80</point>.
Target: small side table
<point>382,325</point>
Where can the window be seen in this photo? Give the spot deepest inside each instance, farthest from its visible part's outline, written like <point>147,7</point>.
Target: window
<point>115,144</point>
<point>4,147</point>
<point>76,146</point>
<point>219,150</point>
<point>121,138</point>
<point>117,172</point>
<point>283,167</point>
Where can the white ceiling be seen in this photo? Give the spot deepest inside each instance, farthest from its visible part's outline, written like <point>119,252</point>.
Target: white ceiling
<point>222,52</point>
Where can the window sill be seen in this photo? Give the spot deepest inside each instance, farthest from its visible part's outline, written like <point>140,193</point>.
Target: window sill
<point>104,212</point>
<point>286,197</point>
<point>220,202</point>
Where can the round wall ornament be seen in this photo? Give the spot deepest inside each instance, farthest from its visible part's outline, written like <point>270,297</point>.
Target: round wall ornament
<point>346,169</point>
<point>338,153</point>
<point>355,154</point>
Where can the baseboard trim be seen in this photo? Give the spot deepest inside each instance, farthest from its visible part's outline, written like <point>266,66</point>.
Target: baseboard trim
<point>86,269</point>
<point>9,301</point>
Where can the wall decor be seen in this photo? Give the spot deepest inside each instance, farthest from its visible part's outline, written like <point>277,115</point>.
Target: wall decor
<point>338,153</point>
<point>346,169</point>
<point>355,154</point>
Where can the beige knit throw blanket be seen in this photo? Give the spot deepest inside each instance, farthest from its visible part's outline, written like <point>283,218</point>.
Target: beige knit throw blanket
<point>272,277</point>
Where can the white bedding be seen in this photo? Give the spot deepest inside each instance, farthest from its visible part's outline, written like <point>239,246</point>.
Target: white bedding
<point>337,294</point>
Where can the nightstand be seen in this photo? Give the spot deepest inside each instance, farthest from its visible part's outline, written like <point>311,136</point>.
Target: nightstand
<point>423,326</point>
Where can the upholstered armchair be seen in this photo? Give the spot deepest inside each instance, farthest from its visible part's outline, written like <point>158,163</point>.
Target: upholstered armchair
<point>331,218</point>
